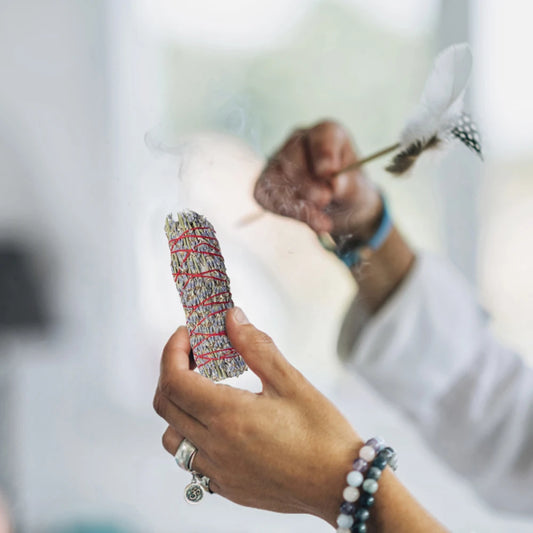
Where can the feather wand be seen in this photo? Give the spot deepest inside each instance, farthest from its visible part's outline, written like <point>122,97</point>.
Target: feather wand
<point>200,275</point>
<point>437,119</point>
<point>439,115</point>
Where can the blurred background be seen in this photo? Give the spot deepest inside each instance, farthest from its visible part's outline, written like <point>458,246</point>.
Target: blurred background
<point>114,113</point>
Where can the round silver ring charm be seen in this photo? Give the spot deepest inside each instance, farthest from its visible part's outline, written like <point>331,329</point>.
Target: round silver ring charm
<point>185,454</point>
<point>194,491</point>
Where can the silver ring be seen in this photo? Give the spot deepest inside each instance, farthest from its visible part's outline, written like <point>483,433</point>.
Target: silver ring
<point>185,454</point>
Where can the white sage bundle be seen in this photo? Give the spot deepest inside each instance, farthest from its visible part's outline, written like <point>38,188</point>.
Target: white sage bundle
<point>200,275</point>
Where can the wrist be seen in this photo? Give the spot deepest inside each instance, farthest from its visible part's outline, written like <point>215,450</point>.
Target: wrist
<point>352,249</point>
<point>370,222</point>
<point>330,480</point>
<point>385,271</point>
<point>357,213</point>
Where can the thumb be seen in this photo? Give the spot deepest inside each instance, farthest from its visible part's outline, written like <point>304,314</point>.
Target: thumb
<point>259,352</point>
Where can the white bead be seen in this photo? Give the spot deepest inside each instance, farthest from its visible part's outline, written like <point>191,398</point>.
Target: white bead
<point>345,520</point>
<point>367,453</point>
<point>355,478</point>
<point>343,530</point>
<point>350,494</point>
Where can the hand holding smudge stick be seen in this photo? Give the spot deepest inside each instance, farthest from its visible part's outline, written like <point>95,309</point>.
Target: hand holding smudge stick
<point>200,275</point>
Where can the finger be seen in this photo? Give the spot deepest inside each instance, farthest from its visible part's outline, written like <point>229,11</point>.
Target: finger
<point>325,143</point>
<point>282,175</point>
<point>259,352</point>
<point>289,174</point>
<point>188,390</point>
<point>200,463</point>
<point>292,153</point>
<point>348,153</point>
<point>317,193</point>
<point>287,203</point>
<point>344,186</point>
<point>270,188</point>
<point>313,216</point>
<point>171,440</point>
<point>181,421</point>
<point>288,187</point>
<point>277,183</point>
<point>177,347</point>
<point>192,362</point>
<point>177,341</point>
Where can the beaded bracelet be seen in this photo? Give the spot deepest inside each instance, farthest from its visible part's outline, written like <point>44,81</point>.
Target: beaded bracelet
<point>374,456</point>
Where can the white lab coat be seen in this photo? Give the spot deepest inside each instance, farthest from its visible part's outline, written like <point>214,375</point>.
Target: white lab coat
<point>430,351</point>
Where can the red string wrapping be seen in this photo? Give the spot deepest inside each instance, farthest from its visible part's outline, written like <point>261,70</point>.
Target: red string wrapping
<point>200,275</point>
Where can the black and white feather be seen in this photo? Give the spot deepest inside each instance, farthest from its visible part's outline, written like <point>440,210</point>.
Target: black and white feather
<point>439,116</point>
<point>466,131</point>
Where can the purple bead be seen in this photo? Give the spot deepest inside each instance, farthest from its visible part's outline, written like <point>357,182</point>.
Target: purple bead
<point>348,508</point>
<point>360,465</point>
<point>376,443</point>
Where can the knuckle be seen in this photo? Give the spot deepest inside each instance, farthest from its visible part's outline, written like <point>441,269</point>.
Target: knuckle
<point>297,133</point>
<point>261,188</point>
<point>166,385</point>
<point>167,441</point>
<point>327,135</point>
<point>228,427</point>
<point>323,151</point>
<point>167,350</point>
<point>270,185</point>
<point>302,211</point>
<point>158,404</point>
<point>293,143</point>
<point>286,210</point>
<point>331,127</point>
<point>261,339</point>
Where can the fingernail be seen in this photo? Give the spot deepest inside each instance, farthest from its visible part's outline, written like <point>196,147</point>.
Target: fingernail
<point>239,316</point>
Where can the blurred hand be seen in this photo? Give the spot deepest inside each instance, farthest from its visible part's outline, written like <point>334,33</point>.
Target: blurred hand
<point>286,449</point>
<point>299,181</point>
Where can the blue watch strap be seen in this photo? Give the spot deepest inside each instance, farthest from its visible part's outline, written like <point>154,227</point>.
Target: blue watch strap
<point>353,256</point>
<point>384,229</point>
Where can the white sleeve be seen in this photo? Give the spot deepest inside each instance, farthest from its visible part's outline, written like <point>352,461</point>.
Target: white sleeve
<point>429,351</point>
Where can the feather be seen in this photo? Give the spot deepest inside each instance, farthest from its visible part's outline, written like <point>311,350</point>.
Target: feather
<point>466,131</point>
<point>439,115</point>
<point>406,158</point>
